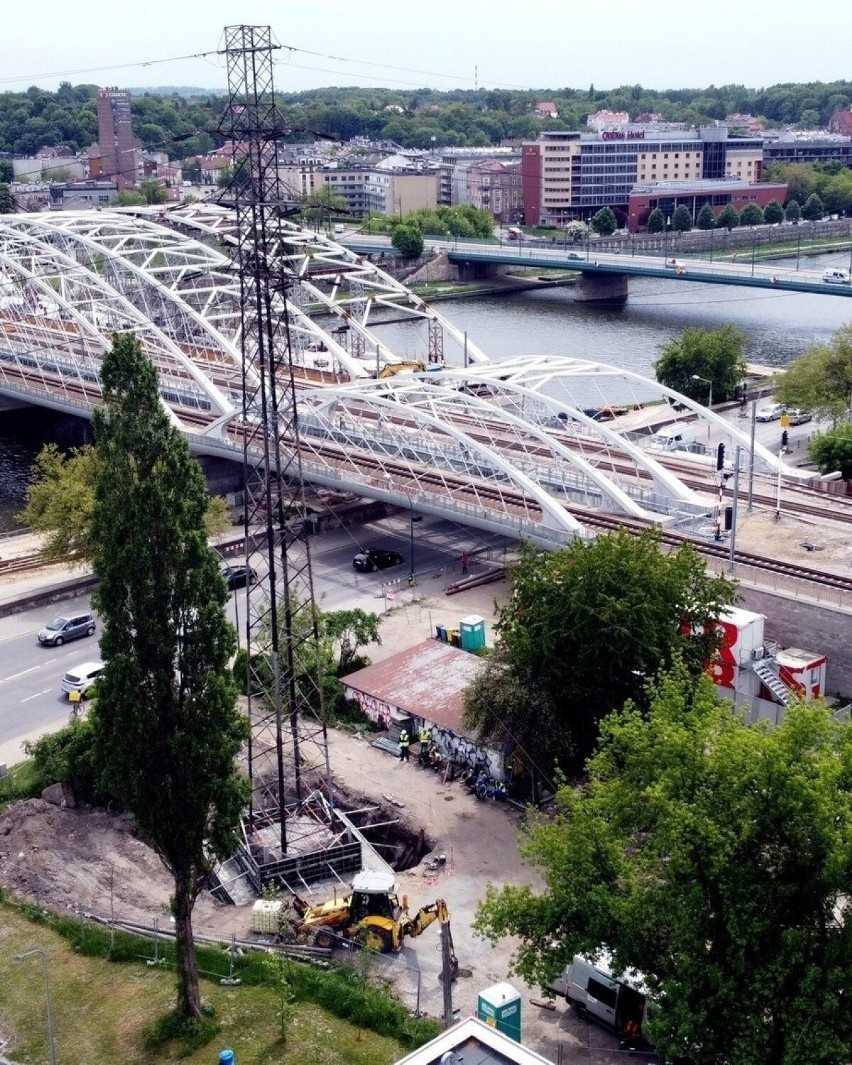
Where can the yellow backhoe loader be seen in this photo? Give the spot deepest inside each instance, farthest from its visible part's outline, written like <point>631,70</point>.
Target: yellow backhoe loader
<point>373,914</point>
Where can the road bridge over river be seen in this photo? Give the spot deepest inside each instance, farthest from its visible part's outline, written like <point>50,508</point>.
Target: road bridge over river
<point>526,447</point>
<point>611,272</point>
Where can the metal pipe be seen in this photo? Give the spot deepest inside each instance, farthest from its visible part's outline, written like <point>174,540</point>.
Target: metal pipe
<point>731,554</point>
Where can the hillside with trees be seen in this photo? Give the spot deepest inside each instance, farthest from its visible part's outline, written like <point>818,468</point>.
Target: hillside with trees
<point>184,125</point>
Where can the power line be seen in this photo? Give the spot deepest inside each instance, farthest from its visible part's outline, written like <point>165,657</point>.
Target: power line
<point>115,66</point>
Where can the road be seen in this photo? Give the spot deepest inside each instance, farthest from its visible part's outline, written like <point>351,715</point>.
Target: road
<point>31,703</point>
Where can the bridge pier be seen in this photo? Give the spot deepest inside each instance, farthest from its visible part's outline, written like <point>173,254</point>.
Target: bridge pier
<point>601,288</point>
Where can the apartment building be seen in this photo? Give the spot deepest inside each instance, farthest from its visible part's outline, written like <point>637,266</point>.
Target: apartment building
<point>569,175</point>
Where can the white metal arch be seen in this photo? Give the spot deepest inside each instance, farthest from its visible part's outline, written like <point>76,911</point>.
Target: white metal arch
<point>331,280</point>
<point>582,384</point>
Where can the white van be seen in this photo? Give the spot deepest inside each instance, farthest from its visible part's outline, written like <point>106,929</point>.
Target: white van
<point>834,276</point>
<point>618,1000</point>
<point>676,437</point>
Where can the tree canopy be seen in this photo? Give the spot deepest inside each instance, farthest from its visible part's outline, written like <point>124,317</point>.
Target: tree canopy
<point>408,240</point>
<point>682,219</point>
<point>60,500</point>
<point>832,450</point>
<point>166,724</point>
<point>604,222</point>
<point>713,856</point>
<point>656,221</point>
<point>706,218</point>
<point>717,355</point>
<point>820,379</point>
<point>583,629</point>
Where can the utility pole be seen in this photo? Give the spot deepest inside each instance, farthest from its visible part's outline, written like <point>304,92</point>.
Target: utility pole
<point>281,622</point>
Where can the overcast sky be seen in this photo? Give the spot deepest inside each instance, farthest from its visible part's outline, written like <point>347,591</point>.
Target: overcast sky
<point>445,44</point>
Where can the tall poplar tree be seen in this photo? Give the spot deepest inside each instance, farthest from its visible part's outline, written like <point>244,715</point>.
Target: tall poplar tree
<point>168,730</point>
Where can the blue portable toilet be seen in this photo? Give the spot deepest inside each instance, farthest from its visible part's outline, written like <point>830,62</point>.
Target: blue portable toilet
<point>226,1057</point>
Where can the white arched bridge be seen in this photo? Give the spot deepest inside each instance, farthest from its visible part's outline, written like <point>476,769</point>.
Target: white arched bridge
<point>395,402</point>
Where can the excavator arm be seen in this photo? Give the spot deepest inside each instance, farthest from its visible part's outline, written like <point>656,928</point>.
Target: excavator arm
<point>428,915</point>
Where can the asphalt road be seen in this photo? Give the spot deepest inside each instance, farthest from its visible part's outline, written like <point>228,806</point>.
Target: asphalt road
<point>32,704</point>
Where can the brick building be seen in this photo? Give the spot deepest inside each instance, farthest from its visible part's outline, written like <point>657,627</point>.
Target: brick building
<point>118,153</point>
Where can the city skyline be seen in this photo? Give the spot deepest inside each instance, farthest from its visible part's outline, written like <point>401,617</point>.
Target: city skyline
<point>658,44</point>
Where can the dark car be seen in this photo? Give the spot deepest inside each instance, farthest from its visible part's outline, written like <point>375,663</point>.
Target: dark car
<point>63,629</point>
<point>575,255</point>
<point>373,558</point>
<point>238,576</point>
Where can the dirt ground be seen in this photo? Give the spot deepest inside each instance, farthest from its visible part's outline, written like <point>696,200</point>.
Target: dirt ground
<point>90,861</point>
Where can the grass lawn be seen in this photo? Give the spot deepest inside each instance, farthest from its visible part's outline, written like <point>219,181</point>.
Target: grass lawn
<point>101,1009</point>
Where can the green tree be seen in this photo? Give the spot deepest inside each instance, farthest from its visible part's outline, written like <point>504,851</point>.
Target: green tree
<point>130,198</point>
<point>348,631</point>
<point>820,379</point>
<point>656,221</point>
<point>61,497</point>
<point>168,731</point>
<point>751,215</point>
<point>8,203</point>
<point>60,500</point>
<point>604,222</point>
<point>793,212</point>
<point>832,450</point>
<point>706,218</point>
<point>408,240</point>
<point>7,171</point>
<point>773,213</point>
<point>583,628</point>
<point>813,209</point>
<point>714,856</point>
<point>153,191</point>
<point>728,217</point>
<point>717,355</point>
<point>682,219</point>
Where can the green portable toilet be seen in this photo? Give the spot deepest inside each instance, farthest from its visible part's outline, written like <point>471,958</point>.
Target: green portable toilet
<point>472,632</point>
<point>500,1007</point>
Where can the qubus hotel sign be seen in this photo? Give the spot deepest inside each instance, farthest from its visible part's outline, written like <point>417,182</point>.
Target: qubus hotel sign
<point>623,135</point>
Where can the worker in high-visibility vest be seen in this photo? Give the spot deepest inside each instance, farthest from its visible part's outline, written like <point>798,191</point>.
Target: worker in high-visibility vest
<point>404,743</point>
<point>425,736</point>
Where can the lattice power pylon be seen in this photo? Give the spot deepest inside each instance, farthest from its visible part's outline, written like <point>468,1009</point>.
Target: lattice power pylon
<point>288,751</point>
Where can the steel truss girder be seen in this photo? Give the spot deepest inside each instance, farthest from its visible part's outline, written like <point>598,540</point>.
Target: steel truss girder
<point>95,272</point>
<point>548,372</point>
<point>332,280</point>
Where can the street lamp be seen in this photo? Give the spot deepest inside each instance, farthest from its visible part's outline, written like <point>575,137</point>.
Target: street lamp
<point>51,1041</point>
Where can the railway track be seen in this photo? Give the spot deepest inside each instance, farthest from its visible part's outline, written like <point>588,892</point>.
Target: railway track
<point>505,499</point>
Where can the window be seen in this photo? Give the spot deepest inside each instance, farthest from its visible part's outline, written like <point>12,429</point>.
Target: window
<point>607,995</point>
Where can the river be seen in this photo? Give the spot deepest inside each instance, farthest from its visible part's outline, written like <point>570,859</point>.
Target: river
<point>778,325</point>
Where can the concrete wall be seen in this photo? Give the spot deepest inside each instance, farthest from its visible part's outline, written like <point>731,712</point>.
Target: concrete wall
<point>794,622</point>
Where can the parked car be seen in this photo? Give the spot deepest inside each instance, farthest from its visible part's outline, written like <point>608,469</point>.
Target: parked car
<point>63,629</point>
<point>238,576</point>
<point>798,417</point>
<point>770,413</point>
<point>373,558</point>
<point>82,678</point>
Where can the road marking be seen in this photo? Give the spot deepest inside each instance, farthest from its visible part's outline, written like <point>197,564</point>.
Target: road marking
<point>23,673</point>
<point>37,695</point>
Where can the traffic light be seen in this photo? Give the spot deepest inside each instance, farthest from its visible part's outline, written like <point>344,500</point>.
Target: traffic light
<point>720,457</point>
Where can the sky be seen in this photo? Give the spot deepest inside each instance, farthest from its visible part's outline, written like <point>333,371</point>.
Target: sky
<point>442,44</point>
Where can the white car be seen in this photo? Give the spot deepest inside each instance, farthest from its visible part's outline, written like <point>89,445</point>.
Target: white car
<point>82,678</point>
<point>770,413</point>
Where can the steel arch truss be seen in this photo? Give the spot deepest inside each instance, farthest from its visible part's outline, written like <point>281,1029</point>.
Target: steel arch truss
<point>338,302</point>
<point>445,451</point>
<point>68,281</point>
<point>581,392</point>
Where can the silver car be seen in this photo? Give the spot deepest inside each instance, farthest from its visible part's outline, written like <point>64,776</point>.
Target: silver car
<point>65,628</point>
